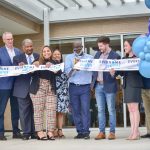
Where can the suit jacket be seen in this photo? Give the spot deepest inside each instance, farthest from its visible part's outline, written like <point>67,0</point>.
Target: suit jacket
<point>6,82</point>
<point>22,82</point>
<point>133,79</point>
<point>110,84</point>
<point>35,79</point>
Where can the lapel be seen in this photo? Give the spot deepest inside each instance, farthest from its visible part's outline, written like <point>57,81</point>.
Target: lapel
<point>98,55</point>
<point>35,56</point>
<point>110,55</point>
<point>16,51</point>
<point>24,59</point>
<point>7,55</point>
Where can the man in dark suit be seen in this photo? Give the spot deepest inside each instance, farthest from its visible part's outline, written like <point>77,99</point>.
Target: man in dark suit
<point>105,87</point>
<point>21,89</point>
<point>6,86</point>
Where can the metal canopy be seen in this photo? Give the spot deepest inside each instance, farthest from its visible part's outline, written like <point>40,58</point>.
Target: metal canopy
<point>76,10</point>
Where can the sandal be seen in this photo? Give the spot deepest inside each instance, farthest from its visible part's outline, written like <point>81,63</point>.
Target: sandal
<point>44,138</point>
<point>60,134</point>
<point>52,138</point>
<point>55,133</point>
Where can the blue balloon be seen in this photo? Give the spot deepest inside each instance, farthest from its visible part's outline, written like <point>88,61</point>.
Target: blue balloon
<point>142,55</point>
<point>147,3</point>
<point>147,57</point>
<point>148,45</point>
<point>144,69</point>
<point>146,50</point>
<point>139,44</point>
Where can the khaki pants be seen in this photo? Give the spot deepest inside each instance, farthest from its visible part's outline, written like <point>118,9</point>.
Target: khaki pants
<point>146,102</point>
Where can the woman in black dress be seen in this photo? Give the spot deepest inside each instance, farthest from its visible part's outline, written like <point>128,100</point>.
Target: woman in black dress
<point>132,84</point>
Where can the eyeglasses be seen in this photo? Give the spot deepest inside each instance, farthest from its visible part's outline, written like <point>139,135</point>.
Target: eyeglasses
<point>78,48</point>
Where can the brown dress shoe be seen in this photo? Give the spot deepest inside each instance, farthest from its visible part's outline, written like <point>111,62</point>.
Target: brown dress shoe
<point>100,136</point>
<point>111,136</point>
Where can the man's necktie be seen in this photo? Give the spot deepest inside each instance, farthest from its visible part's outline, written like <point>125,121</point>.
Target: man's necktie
<point>29,60</point>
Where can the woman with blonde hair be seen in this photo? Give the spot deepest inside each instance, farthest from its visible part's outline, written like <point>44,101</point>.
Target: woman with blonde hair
<point>43,95</point>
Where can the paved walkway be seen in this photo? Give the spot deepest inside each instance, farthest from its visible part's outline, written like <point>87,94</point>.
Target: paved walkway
<point>75,144</point>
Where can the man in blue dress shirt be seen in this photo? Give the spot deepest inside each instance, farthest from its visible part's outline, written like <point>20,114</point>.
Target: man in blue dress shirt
<point>79,91</point>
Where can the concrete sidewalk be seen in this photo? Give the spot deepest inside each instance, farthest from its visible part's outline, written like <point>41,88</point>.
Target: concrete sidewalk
<point>79,144</point>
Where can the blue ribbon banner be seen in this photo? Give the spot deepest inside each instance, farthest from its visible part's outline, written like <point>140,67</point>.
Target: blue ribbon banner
<point>106,64</point>
<point>6,71</point>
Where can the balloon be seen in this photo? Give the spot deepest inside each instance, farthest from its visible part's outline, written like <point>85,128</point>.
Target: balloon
<point>147,57</point>
<point>144,69</point>
<point>139,44</point>
<point>142,55</point>
<point>146,50</point>
<point>147,3</point>
<point>148,45</point>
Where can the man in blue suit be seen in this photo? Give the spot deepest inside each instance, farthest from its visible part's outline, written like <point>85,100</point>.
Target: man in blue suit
<point>21,89</point>
<point>6,86</point>
<point>105,86</point>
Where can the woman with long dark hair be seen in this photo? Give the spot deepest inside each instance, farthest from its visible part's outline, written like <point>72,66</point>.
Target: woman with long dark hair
<point>43,95</point>
<point>132,84</point>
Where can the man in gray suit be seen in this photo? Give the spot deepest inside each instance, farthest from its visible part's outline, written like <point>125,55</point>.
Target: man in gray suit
<point>21,89</point>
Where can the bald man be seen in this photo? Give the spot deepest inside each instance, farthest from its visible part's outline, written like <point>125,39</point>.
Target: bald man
<point>79,91</point>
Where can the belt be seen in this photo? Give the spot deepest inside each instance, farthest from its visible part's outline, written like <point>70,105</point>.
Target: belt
<point>100,82</point>
<point>79,84</point>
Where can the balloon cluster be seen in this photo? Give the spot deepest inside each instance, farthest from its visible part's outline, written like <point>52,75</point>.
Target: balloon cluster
<point>141,48</point>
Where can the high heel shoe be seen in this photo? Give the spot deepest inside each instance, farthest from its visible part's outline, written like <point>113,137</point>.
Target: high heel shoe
<point>44,138</point>
<point>60,134</point>
<point>52,138</point>
<point>129,137</point>
<point>55,133</point>
<point>136,138</point>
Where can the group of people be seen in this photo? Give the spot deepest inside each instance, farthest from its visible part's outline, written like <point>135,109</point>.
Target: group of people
<point>59,92</point>
<point>31,94</point>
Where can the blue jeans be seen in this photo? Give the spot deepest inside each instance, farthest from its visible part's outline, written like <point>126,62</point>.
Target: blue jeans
<point>80,105</point>
<point>102,99</point>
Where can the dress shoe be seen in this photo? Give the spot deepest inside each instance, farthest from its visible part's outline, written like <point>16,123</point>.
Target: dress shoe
<point>111,136</point>
<point>79,136</point>
<point>145,136</point>
<point>17,135</point>
<point>26,137</point>
<point>100,136</point>
<point>33,136</point>
<point>3,138</point>
<point>86,136</point>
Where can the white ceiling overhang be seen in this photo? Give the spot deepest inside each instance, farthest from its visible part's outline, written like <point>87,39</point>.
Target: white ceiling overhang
<point>76,10</point>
